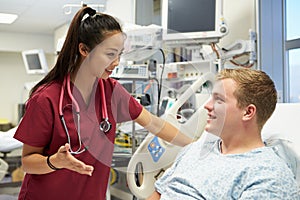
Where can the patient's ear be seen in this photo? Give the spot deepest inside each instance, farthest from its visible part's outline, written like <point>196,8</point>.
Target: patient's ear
<point>250,112</point>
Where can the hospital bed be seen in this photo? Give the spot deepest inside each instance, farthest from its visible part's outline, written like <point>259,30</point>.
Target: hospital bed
<point>10,160</point>
<point>7,145</point>
<point>154,156</point>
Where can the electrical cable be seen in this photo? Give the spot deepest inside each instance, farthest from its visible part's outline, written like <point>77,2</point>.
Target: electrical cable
<point>232,61</point>
<point>242,65</point>
<point>161,79</point>
<point>157,82</point>
<point>245,65</point>
<point>213,46</point>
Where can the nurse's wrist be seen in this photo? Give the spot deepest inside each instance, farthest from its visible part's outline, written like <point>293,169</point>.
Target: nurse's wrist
<point>50,164</point>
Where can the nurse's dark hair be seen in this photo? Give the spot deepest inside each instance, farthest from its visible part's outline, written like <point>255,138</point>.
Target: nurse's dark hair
<point>87,27</point>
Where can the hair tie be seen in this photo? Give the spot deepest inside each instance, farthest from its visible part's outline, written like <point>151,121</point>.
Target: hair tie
<point>89,13</point>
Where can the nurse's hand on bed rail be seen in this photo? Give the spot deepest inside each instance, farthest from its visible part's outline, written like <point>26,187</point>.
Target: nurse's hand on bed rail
<point>64,159</point>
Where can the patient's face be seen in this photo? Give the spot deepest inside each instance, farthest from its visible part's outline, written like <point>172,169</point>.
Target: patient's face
<point>224,117</point>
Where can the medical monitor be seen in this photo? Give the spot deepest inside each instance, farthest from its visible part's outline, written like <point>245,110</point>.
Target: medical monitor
<point>198,20</point>
<point>35,61</point>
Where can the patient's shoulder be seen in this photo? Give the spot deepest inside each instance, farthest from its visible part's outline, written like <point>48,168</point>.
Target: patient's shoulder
<point>269,164</point>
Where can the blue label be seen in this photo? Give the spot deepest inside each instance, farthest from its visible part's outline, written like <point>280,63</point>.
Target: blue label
<point>155,149</point>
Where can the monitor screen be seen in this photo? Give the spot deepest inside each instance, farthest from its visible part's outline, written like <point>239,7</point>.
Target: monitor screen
<point>200,15</point>
<point>35,61</point>
<point>193,19</point>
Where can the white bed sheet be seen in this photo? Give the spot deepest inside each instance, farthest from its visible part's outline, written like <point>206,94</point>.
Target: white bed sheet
<point>7,142</point>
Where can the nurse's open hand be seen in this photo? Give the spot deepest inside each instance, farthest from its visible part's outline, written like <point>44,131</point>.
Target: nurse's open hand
<point>66,160</point>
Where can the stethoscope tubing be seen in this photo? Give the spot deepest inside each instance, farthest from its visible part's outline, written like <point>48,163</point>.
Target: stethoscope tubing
<point>104,126</point>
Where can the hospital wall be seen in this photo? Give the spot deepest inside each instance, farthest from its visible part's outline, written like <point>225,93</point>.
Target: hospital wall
<point>12,83</point>
<point>240,16</point>
<point>12,71</point>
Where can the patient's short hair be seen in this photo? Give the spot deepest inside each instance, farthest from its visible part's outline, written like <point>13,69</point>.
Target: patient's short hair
<point>253,87</point>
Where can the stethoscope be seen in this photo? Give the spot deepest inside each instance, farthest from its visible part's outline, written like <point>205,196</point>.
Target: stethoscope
<point>104,125</point>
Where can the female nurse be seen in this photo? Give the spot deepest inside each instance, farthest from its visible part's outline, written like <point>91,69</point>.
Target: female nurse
<point>69,126</point>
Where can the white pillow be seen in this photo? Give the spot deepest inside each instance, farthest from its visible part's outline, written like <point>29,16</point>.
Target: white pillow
<point>286,150</point>
<point>282,132</point>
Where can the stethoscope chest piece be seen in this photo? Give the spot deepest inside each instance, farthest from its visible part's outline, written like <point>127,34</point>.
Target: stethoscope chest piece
<point>105,126</point>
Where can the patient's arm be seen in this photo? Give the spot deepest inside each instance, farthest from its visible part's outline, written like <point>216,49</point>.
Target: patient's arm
<point>154,196</point>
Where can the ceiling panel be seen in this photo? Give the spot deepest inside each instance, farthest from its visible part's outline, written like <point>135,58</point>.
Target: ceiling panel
<point>40,16</point>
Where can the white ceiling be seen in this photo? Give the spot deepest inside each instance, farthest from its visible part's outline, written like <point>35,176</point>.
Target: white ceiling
<point>41,16</point>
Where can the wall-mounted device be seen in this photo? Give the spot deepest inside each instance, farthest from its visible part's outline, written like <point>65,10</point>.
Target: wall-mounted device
<point>35,61</point>
<point>137,71</point>
<point>190,70</point>
<point>201,21</point>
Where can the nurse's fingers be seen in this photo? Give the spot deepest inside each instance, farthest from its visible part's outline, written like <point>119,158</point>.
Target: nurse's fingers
<point>72,163</point>
<point>81,167</point>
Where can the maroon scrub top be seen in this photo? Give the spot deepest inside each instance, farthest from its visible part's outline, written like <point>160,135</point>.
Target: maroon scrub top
<point>41,126</point>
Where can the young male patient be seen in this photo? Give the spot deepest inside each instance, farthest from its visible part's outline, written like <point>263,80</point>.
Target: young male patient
<point>238,165</point>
